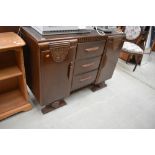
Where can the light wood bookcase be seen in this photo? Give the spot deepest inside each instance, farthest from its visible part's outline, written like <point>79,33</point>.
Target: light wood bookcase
<point>13,90</point>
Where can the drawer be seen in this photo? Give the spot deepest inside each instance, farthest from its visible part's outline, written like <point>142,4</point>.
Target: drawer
<point>83,80</point>
<point>86,65</point>
<point>90,49</point>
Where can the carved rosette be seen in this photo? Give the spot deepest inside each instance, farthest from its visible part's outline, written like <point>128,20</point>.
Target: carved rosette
<point>59,51</point>
<point>59,54</point>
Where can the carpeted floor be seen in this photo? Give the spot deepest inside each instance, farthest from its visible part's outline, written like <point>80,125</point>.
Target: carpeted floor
<point>127,102</point>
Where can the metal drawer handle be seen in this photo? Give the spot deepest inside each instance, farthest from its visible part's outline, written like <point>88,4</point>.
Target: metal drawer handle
<point>70,69</point>
<point>88,65</point>
<point>84,79</point>
<point>93,49</point>
<point>47,55</point>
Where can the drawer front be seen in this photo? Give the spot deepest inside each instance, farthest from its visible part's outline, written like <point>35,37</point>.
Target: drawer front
<point>83,80</point>
<point>86,65</point>
<point>90,49</point>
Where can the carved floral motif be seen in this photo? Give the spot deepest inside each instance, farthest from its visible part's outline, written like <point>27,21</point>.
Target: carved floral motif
<point>59,54</point>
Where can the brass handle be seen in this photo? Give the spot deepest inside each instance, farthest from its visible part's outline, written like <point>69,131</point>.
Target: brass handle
<point>70,68</point>
<point>93,49</point>
<point>88,65</point>
<point>84,79</point>
<point>47,55</point>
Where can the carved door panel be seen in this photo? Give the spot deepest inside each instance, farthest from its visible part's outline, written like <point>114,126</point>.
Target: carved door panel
<point>110,58</point>
<point>56,71</point>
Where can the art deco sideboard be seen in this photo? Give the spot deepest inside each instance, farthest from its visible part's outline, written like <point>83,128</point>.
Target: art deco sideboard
<point>57,65</point>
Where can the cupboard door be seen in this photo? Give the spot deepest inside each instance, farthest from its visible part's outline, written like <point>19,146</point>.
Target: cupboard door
<point>110,58</point>
<point>56,71</point>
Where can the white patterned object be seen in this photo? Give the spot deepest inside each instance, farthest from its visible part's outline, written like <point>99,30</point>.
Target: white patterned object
<point>131,48</point>
<point>132,32</point>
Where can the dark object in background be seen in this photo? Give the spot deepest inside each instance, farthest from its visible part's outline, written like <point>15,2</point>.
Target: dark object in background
<point>153,46</point>
<point>9,29</point>
<point>152,36</point>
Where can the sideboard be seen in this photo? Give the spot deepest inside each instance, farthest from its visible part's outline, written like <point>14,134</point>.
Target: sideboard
<point>57,65</point>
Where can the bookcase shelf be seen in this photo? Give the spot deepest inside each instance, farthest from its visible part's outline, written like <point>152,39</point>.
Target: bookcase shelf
<point>13,90</point>
<point>9,72</point>
<point>12,102</point>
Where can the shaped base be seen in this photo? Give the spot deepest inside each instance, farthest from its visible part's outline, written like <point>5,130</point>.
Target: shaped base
<point>53,106</point>
<point>98,86</point>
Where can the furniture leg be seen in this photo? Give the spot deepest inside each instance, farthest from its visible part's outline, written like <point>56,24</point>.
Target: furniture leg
<point>99,86</point>
<point>136,62</point>
<point>128,58</point>
<point>53,106</point>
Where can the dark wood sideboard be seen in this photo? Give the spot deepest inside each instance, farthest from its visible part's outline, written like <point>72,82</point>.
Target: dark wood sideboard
<point>57,65</point>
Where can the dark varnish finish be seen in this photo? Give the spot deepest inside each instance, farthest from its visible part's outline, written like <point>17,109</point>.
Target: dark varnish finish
<point>57,65</point>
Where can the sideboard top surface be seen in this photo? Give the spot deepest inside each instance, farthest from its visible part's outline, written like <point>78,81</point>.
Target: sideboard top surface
<point>40,38</point>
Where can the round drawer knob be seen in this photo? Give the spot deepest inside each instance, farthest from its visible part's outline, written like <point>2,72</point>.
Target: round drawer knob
<point>47,55</point>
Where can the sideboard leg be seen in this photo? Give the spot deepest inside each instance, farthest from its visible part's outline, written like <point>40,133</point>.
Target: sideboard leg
<point>53,106</point>
<point>98,86</point>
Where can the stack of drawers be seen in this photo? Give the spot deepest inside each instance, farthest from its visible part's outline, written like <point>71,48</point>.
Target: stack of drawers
<point>87,62</point>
